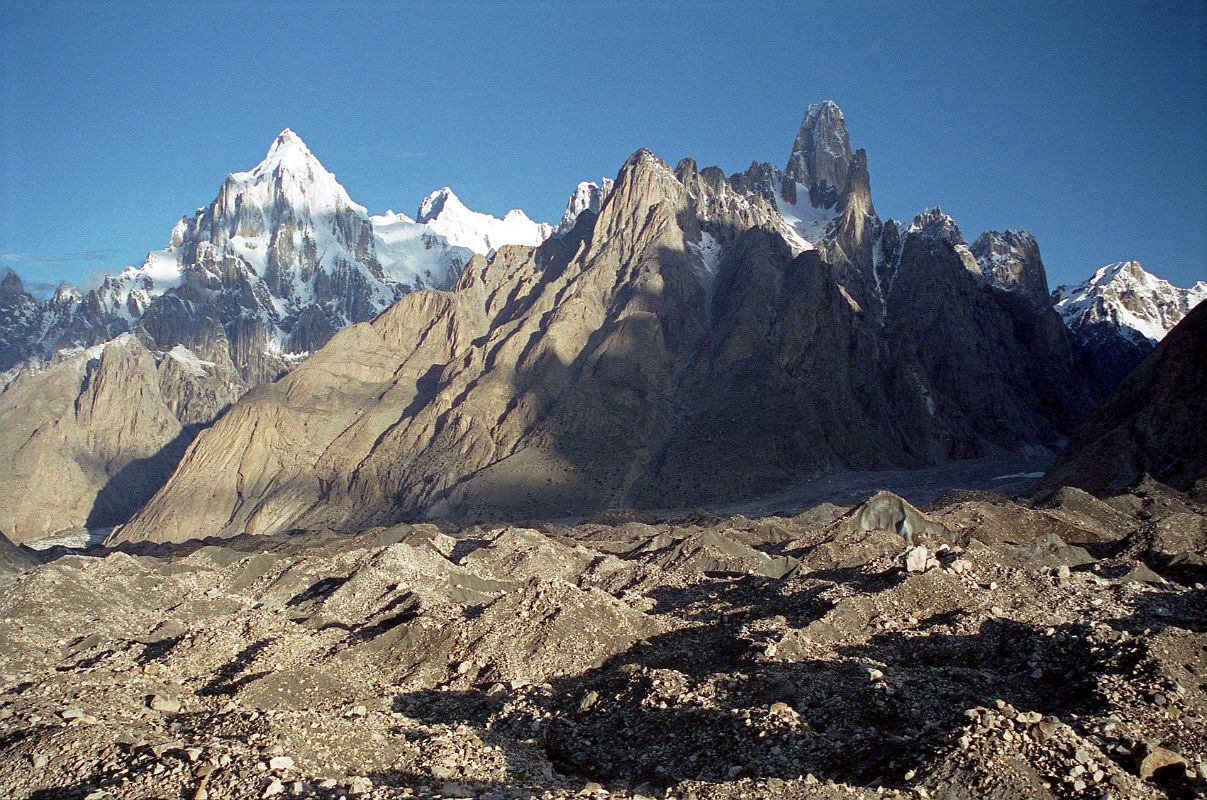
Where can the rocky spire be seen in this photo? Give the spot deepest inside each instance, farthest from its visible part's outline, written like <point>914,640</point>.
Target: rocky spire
<point>10,282</point>
<point>821,156</point>
<point>837,182</point>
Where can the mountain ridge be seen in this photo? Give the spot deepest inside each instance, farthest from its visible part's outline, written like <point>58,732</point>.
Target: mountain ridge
<point>672,345</point>
<point>637,312</point>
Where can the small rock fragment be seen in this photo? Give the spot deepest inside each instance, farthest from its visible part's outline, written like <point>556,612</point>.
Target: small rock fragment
<point>278,763</point>
<point>360,785</point>
<point>1153,761</point>
<point>915,559</point>
<point>168,705</point>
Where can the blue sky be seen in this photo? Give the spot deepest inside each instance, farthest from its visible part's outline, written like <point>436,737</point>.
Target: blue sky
<point>1084,123</point>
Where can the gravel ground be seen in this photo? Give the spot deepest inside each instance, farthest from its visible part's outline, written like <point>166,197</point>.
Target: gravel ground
<point>1049,649</point>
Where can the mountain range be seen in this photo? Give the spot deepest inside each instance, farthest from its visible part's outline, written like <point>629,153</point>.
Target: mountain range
<point>680,337</point>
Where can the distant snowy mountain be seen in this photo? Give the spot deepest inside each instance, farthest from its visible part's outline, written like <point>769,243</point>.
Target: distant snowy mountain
<point>1117,317</point>
<point>444,213</point>
<point>277,263</point>
<point>1126,295</point>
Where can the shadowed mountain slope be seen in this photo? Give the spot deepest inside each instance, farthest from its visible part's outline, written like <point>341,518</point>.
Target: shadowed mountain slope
<point>1152,424</point>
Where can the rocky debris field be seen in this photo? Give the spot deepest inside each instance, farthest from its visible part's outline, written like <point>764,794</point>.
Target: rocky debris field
<point>979,647</point>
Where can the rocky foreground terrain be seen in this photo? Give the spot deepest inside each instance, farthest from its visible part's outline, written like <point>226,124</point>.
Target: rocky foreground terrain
<point>980,647</point>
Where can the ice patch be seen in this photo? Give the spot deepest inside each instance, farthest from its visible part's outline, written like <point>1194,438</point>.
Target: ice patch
<point>76,540</point>
<point>709,251</point>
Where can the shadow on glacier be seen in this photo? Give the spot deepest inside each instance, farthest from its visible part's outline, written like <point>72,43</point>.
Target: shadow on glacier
<point>699,704</point>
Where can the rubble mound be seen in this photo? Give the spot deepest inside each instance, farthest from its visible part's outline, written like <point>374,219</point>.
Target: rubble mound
<point>885,511</point>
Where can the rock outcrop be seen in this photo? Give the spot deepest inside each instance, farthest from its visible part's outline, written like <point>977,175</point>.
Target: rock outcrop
<point>1010,260</point>
<point>13,560</point>
<point>88,440</point>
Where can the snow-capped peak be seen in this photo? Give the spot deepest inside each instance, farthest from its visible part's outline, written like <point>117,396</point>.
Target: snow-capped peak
<point>290,172</point>
<point>288,148</point>
<point>1125,294</point>
<point>444,214</point>
<point>587,196</point>
<point>435,203</point>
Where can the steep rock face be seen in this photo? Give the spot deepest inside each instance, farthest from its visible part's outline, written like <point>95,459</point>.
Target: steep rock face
<point>990,369</point>
<point>1152,424</point>
<point>672,348</point>
<point>88,440</point>
<point>825,195</point>
<point>1118,315</point>
<point>1010,260</point>
<point>852,238</point>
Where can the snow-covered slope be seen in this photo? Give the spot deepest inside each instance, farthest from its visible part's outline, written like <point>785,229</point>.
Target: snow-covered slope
<point>415,256</point>
<point>443,213</point>
<point>806,222</point>
<point>1127,296</point>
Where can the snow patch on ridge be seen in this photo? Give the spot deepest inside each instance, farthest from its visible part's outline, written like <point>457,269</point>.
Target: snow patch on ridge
<point>189,361</point>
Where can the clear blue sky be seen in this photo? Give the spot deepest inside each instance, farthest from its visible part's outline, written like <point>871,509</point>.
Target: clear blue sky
<point>1083,122</point>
